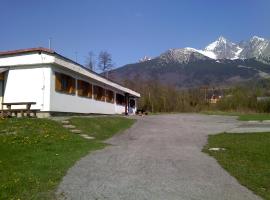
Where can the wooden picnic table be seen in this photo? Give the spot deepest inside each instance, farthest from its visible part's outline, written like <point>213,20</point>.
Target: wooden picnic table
<point>21,110</point>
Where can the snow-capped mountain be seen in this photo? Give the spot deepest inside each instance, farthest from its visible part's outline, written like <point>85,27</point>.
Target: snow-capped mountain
<point>221,63</point>
<point>184,55</point>
<point>225,49</point>
<point>222,48</point>
<point>255,47</point>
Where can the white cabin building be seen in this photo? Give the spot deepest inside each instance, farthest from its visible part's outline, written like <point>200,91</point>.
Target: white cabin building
<point>59,85</point>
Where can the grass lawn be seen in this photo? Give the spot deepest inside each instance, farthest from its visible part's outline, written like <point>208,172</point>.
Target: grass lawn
<point>101,127</point>
<point>257,117</point>
<point>36,153</point>
<point>246,157</point>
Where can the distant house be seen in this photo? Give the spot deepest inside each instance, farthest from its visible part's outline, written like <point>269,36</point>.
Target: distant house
<point>214,96</point>
<point>60,85</point>
<point>214,99</point>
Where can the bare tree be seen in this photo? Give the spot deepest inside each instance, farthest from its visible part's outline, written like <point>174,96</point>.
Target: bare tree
<point>105,62</point>
<point>91,61</point>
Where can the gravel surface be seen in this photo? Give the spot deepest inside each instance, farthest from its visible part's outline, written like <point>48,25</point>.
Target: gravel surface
<point>159,158</point>
<point>251,127</point>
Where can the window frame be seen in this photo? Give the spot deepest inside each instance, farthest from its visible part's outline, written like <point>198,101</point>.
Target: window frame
<point>99,93</point>
<point>110,98</point>
<point>70,87</point>
<point>122,99</point>
<point>84,89</point>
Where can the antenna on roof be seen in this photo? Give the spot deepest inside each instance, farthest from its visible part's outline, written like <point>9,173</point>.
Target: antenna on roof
<point>50,41</point>
<point>76,56</point>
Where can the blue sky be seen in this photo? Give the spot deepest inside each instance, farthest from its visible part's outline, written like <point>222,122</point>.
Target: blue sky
<point>128,29</point>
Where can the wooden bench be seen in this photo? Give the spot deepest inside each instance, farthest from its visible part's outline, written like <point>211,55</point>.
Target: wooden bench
<point>9,111</point>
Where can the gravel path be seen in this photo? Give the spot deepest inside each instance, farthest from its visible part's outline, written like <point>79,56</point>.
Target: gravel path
<point>159,158</point>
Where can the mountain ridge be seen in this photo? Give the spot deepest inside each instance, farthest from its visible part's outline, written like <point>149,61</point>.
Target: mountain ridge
<point>223,48</point>
<point>222,62</point>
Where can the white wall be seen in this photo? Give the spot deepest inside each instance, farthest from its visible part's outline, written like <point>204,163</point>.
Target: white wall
<point>61,102</point>
<point>29,85</point>
<point>120,109</point>
<point>36,58</point>
<point>26,59</point>
<point>37,84</point>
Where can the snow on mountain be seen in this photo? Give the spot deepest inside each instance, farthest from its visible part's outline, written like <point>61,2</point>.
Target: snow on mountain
<point>222,62</point>
<point>224,49</point>
<point>184,55</point>
<point>221,48</point>
<point>208,54</point>
<point>257,38</point>
<point>255,47</point>
<point>145,58</point>
<point>212,46</point>
<point>238,52</point>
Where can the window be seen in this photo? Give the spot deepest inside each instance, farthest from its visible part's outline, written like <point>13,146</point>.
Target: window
<point>84,89</point>
<point>109,96</point>
<point>120,99</point>
<point>64,83</point>
<point>99,93</point>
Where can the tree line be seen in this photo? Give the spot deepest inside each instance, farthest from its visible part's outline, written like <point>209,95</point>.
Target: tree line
<point>157,97</point>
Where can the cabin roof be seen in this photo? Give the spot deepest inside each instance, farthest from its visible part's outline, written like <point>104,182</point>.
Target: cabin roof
<point>29,50</point>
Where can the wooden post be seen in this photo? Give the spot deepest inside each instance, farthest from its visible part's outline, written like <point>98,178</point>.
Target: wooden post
<point>9,111</point>
<point>28,106</point>
<point>35,113</point>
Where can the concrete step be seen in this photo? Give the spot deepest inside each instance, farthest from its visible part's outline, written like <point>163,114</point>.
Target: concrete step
<point>87,136</point>
<point>69,126</point>
<point>75,131</point>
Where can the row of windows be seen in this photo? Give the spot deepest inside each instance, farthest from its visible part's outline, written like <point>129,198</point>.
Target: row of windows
<point>66,84</point>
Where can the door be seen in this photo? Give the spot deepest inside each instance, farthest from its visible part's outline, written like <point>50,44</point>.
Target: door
<point>132,106</point>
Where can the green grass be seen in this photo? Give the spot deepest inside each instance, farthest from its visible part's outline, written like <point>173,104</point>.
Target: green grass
<point>246,157</point>
<point>36,153</point>
<point>102,128</point>
<point>257,117</point>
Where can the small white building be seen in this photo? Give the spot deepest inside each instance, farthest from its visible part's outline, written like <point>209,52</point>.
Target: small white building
<point>59,85</point>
